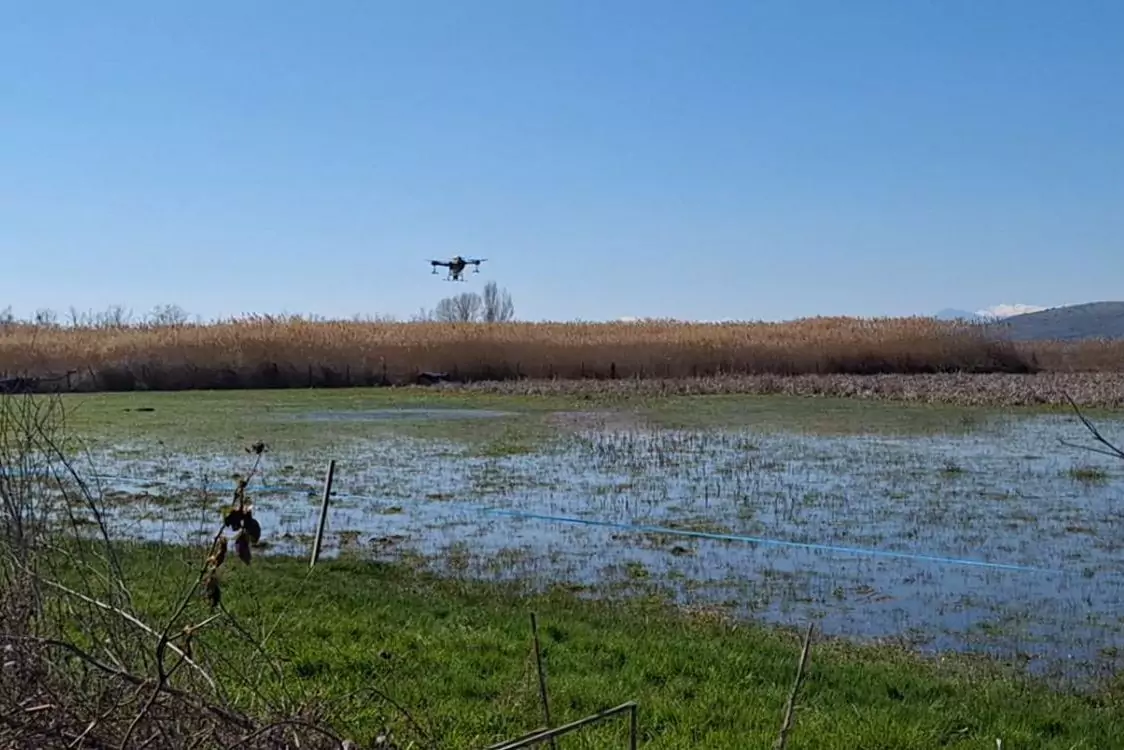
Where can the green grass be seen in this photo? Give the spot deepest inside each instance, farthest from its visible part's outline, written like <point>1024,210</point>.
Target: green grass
<point>458,656</point>
<point>224,421</point>
<point>1088,474</point>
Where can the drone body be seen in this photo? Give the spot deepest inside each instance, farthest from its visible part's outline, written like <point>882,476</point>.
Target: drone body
<point>456,266</point>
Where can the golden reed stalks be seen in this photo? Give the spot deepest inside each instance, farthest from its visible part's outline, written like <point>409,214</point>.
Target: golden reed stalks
<point>282,353</point>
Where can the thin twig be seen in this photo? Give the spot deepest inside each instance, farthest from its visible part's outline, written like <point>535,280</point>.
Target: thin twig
<point>1109,449</point>
<point>287,723</point>
<point>103,528</point>
<point>786,726</point>
<point>93,661</point>
<point>126,616</point>
<point>144,711</point>
<point>249,638</point>
<point>376,692</point>
<point>122,693</point>
<point>97,720</point>
<point>164,641</point>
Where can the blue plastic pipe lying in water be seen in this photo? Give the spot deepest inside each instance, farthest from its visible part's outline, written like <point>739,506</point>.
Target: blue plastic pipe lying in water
<point>642,528</point>
<point>766,541</point>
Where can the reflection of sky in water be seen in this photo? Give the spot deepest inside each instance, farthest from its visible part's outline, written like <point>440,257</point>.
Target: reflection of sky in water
<point>1002,497</point>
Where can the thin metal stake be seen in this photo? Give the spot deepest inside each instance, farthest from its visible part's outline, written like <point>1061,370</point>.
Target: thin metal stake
<point>542,679</point>
<point>323,514</point>
<point>782,738</point>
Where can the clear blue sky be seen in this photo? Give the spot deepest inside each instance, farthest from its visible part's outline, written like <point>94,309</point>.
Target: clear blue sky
<point>707,160</point>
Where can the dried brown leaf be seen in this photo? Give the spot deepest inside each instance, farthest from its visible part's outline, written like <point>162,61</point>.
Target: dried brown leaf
<point>212,590</point>
<point>251,526</point>
<point>233,519</point>
<point>242,546</point>
<point>219,554</point>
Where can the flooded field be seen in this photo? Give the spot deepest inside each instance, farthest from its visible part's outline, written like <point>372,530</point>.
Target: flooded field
<point>994,539</point>
<point>403,414</point>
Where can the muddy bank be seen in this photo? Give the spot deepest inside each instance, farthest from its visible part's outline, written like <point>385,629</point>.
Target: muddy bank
<point>1091,389</point>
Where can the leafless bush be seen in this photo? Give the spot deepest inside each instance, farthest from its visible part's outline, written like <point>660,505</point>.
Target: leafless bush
<point>81,664</point>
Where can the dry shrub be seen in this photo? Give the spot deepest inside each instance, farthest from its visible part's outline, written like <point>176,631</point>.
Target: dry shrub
<point>83,665</point>
<point>271,352</point>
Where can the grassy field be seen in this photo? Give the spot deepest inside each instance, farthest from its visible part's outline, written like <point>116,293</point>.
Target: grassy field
<point>297,353</point>
<point>226,420</point>
<point>421,470</point>
<point>222,422</point>
<point>458,656</point>
<point>424,602</point>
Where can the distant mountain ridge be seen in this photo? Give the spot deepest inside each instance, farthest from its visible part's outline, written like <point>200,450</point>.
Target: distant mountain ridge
<point>950,313</point>
<point>1091,320</point>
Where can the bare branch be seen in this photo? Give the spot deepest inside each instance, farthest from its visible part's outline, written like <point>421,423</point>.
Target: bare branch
<point>1110,449</point>
<point>79,667</point>
<point>134,621</point>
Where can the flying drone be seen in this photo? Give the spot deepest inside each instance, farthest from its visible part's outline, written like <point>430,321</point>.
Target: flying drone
<point>456,266</point>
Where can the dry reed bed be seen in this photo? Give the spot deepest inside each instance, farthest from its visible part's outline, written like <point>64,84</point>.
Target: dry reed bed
<point>1089,389</point>
<point>271,353</point>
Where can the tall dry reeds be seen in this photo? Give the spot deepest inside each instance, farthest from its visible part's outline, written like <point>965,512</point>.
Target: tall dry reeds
<point>297,353</point>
